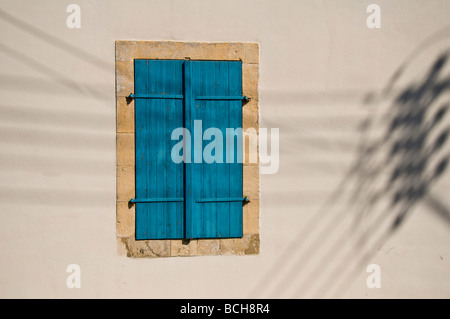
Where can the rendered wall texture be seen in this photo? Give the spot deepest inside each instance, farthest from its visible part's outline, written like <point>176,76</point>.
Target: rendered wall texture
<point>126,52</point>
<point>363,174</point>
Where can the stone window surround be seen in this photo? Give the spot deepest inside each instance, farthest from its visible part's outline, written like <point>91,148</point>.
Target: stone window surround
<point>126,52</point>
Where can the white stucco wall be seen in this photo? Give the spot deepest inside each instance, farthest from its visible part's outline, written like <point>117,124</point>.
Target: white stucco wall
<point>323,76</point>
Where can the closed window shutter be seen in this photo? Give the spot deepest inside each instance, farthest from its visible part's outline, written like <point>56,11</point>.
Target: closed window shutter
<point>159,181</point>
<point>187,200</point>
<point>214,190</point>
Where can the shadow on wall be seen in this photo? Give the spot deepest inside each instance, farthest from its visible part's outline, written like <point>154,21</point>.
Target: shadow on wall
<point>56,42</point>
<point>50,138</point>
<point>58,77</point>
<point>402,152</point>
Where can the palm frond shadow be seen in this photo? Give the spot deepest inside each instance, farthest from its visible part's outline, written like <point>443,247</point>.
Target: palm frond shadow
<point>401,154</point>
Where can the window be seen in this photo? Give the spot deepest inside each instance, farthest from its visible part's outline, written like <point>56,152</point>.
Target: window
<point>171,94</point>
<point>201,198</point>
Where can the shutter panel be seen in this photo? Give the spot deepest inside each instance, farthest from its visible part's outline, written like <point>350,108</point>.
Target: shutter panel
<point>213,190</point>
<point>159,181</point>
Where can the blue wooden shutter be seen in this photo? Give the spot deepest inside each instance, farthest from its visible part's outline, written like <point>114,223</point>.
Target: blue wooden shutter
<point>213,191</point>
<point>159,181</point>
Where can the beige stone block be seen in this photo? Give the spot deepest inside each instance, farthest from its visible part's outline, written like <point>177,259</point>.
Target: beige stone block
<point>125,50</point>
<point>251,53</point>
<point>154,50</point>
<point>125,115</point>
<point>250,115</point>
<point>251,217</point>
<point>181,247</point>
<point>208,247</point>
<point>250,126</point>
<point>183,50</point>
<point>124,78</point>
<point>198,51</point>
<point>224,51</point>
<point>125,219</point>
<point>217,51</point>
<point>145,248</point>
<point>247,245</point>
<point>237,51</point>
<point>203,51</point>
<point>170,50</point>
<point>250,76</point>
<point>251,182</point>
<point>251,148</point>
<point>125,183</point>
<point>125,149</point>
<point>129,50</point>
<point>233,246</point>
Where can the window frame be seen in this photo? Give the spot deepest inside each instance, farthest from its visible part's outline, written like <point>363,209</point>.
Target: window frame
<point>126,53</point>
